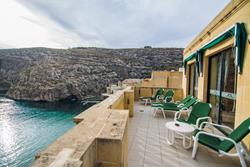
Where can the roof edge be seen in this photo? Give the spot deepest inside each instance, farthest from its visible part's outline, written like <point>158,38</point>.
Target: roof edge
<point>223,15</point>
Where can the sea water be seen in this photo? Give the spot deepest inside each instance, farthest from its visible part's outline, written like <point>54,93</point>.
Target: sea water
<point>27,128</point>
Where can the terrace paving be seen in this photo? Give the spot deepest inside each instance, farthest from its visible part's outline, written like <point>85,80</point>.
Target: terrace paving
<point>148,146</point>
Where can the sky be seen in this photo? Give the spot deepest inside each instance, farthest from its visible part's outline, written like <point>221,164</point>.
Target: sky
<point>104,23</point>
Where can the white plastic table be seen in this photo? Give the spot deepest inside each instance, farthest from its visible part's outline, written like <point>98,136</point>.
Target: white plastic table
<point>184,130</point>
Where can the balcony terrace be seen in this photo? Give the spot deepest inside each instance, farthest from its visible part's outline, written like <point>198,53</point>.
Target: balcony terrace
<point>148,146</point>
<point>122,132</point>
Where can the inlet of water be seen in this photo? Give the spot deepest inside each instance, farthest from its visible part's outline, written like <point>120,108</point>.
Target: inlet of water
<point>28,127</point>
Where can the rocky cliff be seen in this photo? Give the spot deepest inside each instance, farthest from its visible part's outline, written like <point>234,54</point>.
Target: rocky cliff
<point>42,74</point>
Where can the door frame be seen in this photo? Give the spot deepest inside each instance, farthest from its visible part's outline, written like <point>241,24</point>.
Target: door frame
<point>222,75</point>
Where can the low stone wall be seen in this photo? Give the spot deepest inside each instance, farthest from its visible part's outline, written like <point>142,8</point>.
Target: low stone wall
<point>160,79</point>
<point>99,138</point>
<point>149,91</point>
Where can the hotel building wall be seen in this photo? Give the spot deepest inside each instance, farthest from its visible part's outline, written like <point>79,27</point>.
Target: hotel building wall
<point>237,11</point>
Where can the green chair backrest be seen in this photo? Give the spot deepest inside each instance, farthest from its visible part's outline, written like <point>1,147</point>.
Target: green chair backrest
<point>190,103</point>
<point>169,95</point>
<point>200,109</point>
<point>237,135</point>
<point>186,99</point>
<point>169,92</point>
<point>159,92</point>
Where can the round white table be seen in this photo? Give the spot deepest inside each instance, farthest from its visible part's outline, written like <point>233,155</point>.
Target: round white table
<point>184,130</point>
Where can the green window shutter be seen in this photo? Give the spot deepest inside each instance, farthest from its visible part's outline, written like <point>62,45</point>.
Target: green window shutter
<point>240,45</point>
<point>199,62</point>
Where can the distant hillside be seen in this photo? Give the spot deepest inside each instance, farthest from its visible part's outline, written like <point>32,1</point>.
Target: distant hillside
<point>43,74</point>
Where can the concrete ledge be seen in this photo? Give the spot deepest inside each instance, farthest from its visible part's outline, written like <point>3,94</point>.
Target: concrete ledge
<point>105,104</point>
<point>100,137</point>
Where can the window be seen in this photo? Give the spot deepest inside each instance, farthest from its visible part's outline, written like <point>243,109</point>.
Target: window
<point>193,80</point>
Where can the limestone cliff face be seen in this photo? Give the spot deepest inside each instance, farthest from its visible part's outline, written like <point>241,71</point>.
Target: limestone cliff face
<point>42,74</point>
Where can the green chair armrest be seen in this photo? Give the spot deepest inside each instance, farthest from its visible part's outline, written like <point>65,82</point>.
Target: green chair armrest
<point>215,125</point>
<point>177,115</point>
<point>180,105</point>
<point>198,121</point>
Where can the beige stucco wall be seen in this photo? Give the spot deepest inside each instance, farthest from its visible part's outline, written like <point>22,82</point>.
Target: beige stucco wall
<point>160,79</point>
<point>163,79</point>
<point>236,11</point>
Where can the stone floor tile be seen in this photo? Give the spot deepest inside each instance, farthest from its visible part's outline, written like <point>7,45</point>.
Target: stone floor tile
<point>189,162</point>
<point>152,158</point>
<point>168,152</point>
<point>153,149</point>
<point>151,165</point>
<point>138,147</point>
<point>154,142</point>
<point>132,163</point>
<point>172,161</point>
<point>136,156</point>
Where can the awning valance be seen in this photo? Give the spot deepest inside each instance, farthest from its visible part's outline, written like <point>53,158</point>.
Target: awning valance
<point>238,31</point>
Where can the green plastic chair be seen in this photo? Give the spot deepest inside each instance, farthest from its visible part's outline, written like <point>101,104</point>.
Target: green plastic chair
<point>199,113</point>
<point>178,103</point>
<point>164,108</point>
<point>166,97</point>
<point>158,93</point>
<point>223,144</point>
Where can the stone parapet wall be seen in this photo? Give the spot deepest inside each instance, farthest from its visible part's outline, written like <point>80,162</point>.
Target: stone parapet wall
<point>98,139</point>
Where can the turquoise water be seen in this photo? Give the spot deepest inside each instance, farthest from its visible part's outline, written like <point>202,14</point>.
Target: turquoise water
<point>27,128</point>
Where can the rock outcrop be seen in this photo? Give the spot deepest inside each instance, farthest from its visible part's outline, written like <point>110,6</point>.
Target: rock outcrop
<point>43,74</point>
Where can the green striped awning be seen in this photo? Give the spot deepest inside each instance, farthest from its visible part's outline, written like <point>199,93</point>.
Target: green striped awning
<point>238,31</point>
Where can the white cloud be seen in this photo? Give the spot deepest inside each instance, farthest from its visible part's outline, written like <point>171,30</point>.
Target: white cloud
<point>21,28</point>
<point>112,23</point>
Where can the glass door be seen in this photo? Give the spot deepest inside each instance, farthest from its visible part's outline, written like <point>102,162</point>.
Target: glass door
<point>222,84</point>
